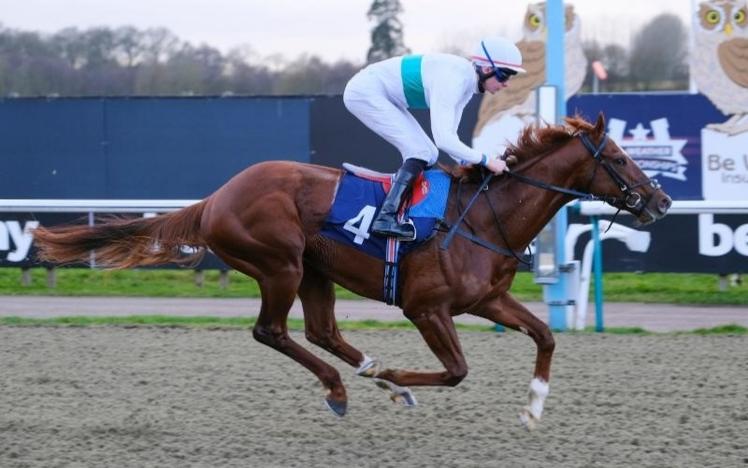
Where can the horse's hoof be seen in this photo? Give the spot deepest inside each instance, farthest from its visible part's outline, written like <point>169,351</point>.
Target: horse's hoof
<point>528,421</point>
<point>405,398</point>
<point>337,407</point>
<point>398,394</point>
<point>369,368</point>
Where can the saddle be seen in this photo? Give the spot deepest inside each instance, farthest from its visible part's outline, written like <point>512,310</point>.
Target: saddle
<point>358,199</point>
<point>422,186</point>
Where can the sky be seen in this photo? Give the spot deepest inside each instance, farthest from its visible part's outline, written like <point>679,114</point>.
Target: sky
<point>331,29</point>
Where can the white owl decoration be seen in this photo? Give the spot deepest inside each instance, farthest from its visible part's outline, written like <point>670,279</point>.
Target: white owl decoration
<point>502,115</point>
<point>719,61</point>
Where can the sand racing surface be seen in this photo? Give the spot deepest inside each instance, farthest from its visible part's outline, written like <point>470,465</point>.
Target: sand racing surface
<point>150,397</point>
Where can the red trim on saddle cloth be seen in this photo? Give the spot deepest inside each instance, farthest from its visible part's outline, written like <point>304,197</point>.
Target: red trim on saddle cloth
<point>421,186</point>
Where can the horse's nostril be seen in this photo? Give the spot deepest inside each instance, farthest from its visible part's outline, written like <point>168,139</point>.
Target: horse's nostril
<point>665,204</point>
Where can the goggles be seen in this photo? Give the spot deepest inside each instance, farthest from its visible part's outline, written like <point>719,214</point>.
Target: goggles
<point>502,74</point>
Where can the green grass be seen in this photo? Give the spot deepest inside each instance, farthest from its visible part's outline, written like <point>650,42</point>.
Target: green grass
<point>204,322</point>
<point>722,330</point>
<point>618,287</point>
<point>296,324</point>
<point>671,288</point>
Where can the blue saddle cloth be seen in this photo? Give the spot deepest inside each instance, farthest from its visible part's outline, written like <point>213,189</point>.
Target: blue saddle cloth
<point>357,203</point>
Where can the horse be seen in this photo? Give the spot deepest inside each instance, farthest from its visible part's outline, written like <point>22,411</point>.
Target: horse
<point>265,222</point>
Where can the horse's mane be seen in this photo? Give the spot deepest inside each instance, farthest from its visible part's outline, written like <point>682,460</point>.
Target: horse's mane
<point>533,141</point>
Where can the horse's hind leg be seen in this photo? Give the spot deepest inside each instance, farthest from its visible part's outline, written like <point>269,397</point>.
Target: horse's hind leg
<point>508,312</point>
<point>278,293</point>
<point>317,296</point>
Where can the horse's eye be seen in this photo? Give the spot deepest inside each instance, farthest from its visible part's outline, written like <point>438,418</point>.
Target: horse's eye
<point>620,161</point>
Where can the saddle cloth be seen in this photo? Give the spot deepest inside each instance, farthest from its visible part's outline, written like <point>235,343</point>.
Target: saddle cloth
<point>359,197</point>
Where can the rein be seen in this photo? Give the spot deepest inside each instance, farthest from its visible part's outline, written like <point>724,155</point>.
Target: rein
<point>586,196</point>
<point>454,229</point>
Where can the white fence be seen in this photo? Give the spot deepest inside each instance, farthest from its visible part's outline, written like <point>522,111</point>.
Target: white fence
<point>91,206</point>
<point>679,207</point>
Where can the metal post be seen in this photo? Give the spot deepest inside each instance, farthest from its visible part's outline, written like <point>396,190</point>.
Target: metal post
<point>223,279</point>
<point>598,266</point>
<point>692,88</point>
<point>199,278</point>
<point>25,276</point>
<point>51,277</point>
<point>555,73</point>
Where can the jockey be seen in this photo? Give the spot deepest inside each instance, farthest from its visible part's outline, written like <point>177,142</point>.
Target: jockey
<point>381,94</point>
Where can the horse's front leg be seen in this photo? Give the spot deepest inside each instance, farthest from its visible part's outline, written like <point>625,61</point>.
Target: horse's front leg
<point>505,310</point>
<point>437,328</point>
<point>317,296</point>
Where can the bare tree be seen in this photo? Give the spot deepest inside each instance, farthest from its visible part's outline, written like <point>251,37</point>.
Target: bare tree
<point>387,35</point>
<point>128,61</point>
<point>658,54</point>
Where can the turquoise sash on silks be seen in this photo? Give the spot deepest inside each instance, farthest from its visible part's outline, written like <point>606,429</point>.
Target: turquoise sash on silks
<point>410,69</point>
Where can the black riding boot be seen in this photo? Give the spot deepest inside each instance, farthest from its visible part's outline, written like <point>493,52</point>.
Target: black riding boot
<point>386,223</point>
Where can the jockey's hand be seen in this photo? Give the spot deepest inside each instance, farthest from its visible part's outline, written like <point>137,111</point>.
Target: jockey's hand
<point>496,165</point>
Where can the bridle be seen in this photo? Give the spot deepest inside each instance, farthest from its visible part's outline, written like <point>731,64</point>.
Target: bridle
<point>628,198</point>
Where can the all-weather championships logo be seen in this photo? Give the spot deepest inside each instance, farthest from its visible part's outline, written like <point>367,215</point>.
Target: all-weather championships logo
<point>655,155</point>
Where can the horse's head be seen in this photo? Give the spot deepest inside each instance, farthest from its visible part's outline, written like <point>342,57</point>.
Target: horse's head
<point>613,176</point>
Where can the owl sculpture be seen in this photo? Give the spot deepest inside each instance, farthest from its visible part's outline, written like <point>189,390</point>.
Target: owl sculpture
<point>719,60</point>
<point>518,99</point>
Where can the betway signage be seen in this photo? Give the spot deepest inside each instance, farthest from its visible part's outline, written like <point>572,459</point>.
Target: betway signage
<point>704,243</point>
<point>17,238</point>
<point>718,239</point>
<point>15,241</point>
<point>680,243</point>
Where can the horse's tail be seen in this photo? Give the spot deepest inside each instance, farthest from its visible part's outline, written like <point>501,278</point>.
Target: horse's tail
<point>124,243</point>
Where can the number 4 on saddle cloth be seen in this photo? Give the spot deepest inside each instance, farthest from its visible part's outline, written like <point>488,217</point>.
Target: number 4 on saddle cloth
<point>358,199</point>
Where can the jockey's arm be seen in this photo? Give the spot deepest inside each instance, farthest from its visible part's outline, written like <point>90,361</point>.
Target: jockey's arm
<point>446,111</point>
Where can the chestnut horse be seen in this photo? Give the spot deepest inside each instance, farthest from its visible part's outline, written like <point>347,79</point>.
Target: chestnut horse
<point>265,222</point>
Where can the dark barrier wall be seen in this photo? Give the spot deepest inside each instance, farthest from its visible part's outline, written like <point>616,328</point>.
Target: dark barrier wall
<point>142,148</point>
<point>338,137</point>
<point>187,147</point>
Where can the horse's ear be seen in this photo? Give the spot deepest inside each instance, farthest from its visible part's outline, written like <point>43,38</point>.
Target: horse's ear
<point>600,124</point>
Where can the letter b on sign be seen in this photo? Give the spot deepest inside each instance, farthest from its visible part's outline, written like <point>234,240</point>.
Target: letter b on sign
<point>717,239</point>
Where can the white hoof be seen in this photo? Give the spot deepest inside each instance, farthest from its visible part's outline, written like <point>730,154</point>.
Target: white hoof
<point>369,367</point>
<point>530,414</point>
<point>527,419</point>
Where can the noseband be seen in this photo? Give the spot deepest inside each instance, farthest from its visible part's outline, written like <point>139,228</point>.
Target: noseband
<point>630,198</point>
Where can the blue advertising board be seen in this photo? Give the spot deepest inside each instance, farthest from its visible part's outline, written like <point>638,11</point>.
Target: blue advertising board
<point>668,135</point>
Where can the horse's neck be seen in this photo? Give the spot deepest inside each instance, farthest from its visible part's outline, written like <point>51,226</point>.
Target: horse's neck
<point>533,209</point>
<point>522,209</point>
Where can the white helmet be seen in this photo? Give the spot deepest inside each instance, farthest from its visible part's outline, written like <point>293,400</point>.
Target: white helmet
<point>498,52</point>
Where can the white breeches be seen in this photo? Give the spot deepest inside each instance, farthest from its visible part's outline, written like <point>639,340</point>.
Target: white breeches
<point>366,98</point>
